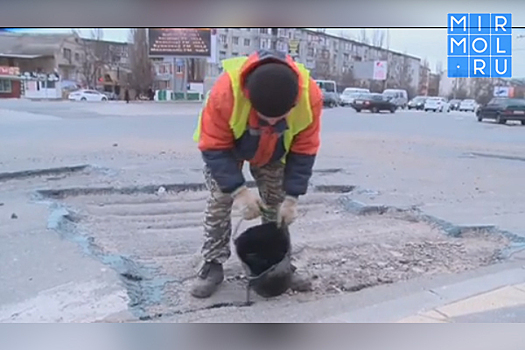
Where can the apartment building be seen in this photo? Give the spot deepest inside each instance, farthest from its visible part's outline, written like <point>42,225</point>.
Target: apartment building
<point>327,56</point>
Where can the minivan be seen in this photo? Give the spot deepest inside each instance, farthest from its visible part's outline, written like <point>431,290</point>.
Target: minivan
<point>330,95</point>
<point>397,96</point>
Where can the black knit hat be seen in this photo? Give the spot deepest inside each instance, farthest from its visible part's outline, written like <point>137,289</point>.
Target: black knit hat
<point>273,89</point>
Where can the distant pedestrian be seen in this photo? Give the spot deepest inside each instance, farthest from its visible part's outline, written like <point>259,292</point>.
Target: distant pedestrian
<point>126,95</point>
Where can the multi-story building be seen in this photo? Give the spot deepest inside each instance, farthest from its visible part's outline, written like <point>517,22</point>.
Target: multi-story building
<point>64,55</point>
<point>327,56</point>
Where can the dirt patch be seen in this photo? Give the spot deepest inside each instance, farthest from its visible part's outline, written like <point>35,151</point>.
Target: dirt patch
<point>343,252</point>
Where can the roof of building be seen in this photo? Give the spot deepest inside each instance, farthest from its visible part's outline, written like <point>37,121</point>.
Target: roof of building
<point>108,42</point>
<point>314,32</point>
<point>30,45</point>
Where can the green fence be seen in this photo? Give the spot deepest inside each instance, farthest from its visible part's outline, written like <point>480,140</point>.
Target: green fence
<point>163,95</point>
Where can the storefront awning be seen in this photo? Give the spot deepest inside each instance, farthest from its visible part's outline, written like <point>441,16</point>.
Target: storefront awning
<point>14,55</point>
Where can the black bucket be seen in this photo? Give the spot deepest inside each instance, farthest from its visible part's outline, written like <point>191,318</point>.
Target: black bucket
<point>264,251</point>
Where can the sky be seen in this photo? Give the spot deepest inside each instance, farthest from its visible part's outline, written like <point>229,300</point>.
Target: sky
<point>430,44</point>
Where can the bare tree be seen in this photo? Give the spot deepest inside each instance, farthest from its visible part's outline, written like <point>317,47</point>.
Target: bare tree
<point>322,64</point>
<point>378,37</point>
<point>439,68</point>
<point>347,78</point>
<point>400,74</point>
<point>92,56</point>
<point>461,89</point>
<point>363,37</point>
<point>482,89</point>
<point>346,35</point>
<point>141,66</point>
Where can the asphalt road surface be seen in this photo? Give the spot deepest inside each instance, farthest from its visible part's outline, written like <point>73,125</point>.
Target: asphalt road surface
<point>444,165</point>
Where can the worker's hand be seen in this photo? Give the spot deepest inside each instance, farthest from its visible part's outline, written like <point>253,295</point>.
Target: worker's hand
<point>249,203</point>
<point>287,212</point>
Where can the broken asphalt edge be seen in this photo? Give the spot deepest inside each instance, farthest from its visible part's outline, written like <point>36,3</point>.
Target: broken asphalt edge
<point>19,175</point>
<point>414,214</point>
<point>144,289</point>
<point>141,282</point>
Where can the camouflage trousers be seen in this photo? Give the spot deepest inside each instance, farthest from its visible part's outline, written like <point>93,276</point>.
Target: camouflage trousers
<point>217,215</point>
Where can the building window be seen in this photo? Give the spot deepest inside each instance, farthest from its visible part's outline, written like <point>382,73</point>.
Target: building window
<point>77,56</point>
<point>311,52</point>
<point>346,57</point>
<point>235,40</point>
<point>264,30</point>
<point>67,54</point>
<point>222,55</point>
<point>50,84</point>
<point>5,87</point>
<point>246,42</point>
<point>235,54</point>
<point>223,38</point>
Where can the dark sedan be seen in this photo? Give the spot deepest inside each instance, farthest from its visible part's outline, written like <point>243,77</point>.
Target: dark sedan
<point>374,103</point>
<point>417,103</point>
<point>502,110</point>
<point>454,105</point>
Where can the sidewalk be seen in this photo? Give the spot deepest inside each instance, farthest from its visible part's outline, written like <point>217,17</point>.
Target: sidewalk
<point>506,304</point>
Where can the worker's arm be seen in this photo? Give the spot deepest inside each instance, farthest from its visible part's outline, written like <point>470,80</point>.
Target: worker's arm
<point>301,158</point>
<point>217,141</point>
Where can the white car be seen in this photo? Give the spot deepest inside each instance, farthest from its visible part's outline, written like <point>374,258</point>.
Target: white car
<point>467,106</point>
<point>87,95</point>
<point>347,98</point>
<point>436,104</point>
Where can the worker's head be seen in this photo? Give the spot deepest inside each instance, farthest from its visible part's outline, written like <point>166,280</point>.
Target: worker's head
<point>272,89</point>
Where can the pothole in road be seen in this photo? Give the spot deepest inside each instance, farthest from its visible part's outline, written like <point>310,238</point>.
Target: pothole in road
<point>343,251</point>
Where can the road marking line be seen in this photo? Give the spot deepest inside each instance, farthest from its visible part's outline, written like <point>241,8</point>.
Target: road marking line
<point>509,296</point>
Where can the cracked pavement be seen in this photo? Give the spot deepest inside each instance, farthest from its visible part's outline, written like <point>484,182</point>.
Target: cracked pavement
<point>72,255</point>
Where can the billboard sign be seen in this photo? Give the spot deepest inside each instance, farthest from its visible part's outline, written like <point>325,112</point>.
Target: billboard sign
<point>380,69</point>
<point>293,48</point>
<point>181,42</point>
<point>502,91</point>
<point>9,71</point>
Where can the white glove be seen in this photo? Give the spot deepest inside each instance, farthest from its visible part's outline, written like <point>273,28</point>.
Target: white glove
<point>288,211</point>
<point>249,203</point>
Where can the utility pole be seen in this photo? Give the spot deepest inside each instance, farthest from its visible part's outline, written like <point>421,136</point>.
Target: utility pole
<point>275,33</point>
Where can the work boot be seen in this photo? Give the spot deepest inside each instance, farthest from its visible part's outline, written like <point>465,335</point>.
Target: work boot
<point>208,280</point>
<point>300,282</point>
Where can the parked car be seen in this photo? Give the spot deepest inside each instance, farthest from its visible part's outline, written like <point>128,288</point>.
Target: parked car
<point>349,94</point>
<point>454,104</point>
<point>436,104</point>
<point>467,105</point>
<point>397,97</point>
<point>417,103</point>
<point>348,98</point>
<point>87,95</point>
<point>330,96</point>
<point>502,109</point>
<point>374,103</point>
